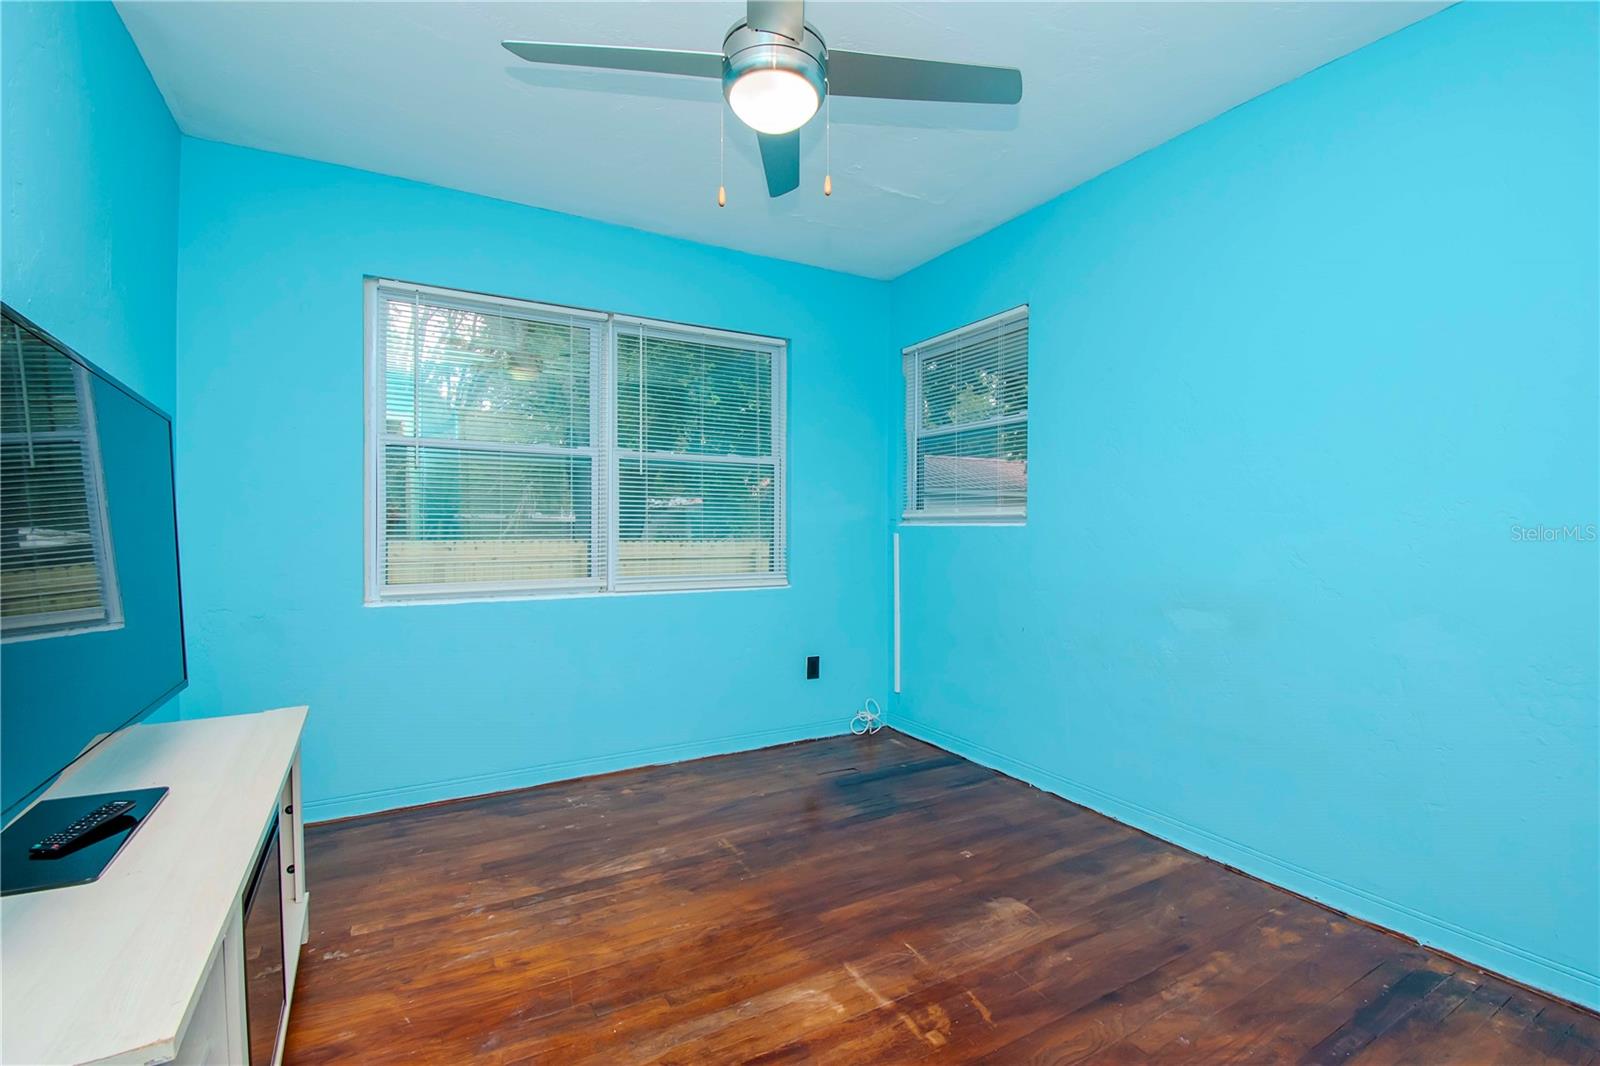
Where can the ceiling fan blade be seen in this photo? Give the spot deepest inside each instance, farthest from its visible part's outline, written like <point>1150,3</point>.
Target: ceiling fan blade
<point>611,57</point>
<point>780,157</point>
<point>787,17</point>
<point>901,78</point>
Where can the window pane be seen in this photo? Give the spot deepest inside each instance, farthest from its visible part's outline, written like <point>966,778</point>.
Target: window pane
<point>681,395</point>
<point>476,375</point>
<point>982,469</point>
<point>454,516</point>
<point>977,380</point>
<point>688,517</point>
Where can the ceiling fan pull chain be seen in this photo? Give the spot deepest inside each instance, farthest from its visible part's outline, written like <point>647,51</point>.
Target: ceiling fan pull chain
<point>827,146</point>
<point>722,189</point>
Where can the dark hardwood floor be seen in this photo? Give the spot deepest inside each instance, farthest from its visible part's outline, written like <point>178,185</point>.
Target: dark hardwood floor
<point>852,900</point>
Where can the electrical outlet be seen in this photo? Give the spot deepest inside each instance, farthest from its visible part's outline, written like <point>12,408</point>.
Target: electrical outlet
<point>813,667</point>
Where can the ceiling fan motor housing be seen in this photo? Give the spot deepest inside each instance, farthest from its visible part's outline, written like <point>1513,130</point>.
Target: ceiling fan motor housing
<point>746,49</point>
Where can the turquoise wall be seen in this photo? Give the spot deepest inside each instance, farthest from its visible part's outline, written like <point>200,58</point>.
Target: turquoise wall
<point>1298,377</point>
<point>417,702</point>
<point>89,184</point>
<point>89,194</point>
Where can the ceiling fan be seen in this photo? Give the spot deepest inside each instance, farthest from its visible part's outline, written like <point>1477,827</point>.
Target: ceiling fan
<point>776,70</point>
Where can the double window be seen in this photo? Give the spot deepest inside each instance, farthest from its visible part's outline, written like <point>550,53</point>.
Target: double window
<point>967,423</point>
<point>517,449</point>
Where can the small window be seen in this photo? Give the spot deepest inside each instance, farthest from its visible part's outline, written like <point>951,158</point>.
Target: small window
<point>56,571</point>
<point>967,423</point>
<point>519,449</point>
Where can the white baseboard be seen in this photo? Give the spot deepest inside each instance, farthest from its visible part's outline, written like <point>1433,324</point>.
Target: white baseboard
<point>1557,978</point>
<point>385,799</point>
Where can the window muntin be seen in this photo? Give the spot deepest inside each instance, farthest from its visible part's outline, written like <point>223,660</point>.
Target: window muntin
<point>522,449</point>
<point>967,423</point>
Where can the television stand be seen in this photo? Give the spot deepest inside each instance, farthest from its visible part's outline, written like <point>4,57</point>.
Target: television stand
<point>147,963</point>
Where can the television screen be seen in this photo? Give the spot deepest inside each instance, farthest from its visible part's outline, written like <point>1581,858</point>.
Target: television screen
<point>91,627</point>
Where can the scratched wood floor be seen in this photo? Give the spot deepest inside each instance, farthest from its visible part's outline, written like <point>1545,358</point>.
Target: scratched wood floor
<point>852,901</point>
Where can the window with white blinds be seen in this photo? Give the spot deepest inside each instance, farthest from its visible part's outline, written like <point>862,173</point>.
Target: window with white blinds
<point>699,418</point>
<point>56,571</point>
<point>967,423</point>
<point>517,448</point>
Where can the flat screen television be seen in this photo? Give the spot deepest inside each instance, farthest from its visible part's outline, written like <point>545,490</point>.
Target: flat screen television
<point>91,618</point>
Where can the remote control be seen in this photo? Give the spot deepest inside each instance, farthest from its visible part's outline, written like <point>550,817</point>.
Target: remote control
<point>58,842</point>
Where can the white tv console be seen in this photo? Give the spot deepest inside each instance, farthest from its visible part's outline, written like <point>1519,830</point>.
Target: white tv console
<point>147,964</point>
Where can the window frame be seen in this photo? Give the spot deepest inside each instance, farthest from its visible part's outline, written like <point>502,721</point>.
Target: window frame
<point>779,432</point>
<point>912,357</point>
<point>606,455</point>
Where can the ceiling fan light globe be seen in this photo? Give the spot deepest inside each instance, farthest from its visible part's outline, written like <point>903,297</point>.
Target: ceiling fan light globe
<point>773,100</point>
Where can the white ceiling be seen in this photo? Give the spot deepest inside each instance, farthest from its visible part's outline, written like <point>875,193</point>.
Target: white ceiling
<point>424,91</point>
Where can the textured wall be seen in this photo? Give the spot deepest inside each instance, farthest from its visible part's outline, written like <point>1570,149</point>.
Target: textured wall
<point>89,194</point>
<point>1298,378</point>
<point>411,703</point>
<point>89,182</point>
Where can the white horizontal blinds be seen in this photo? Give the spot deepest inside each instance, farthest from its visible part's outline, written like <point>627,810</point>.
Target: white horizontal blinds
<point>913,391</point>
<point>699,429</point>
<point>489,462</point>
<point>55,567</point>
<point>967,421</point>
<point>523,448</point>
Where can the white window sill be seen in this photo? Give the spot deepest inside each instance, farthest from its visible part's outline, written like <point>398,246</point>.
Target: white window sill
<point>965,518</point>
<point>523,595</point>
